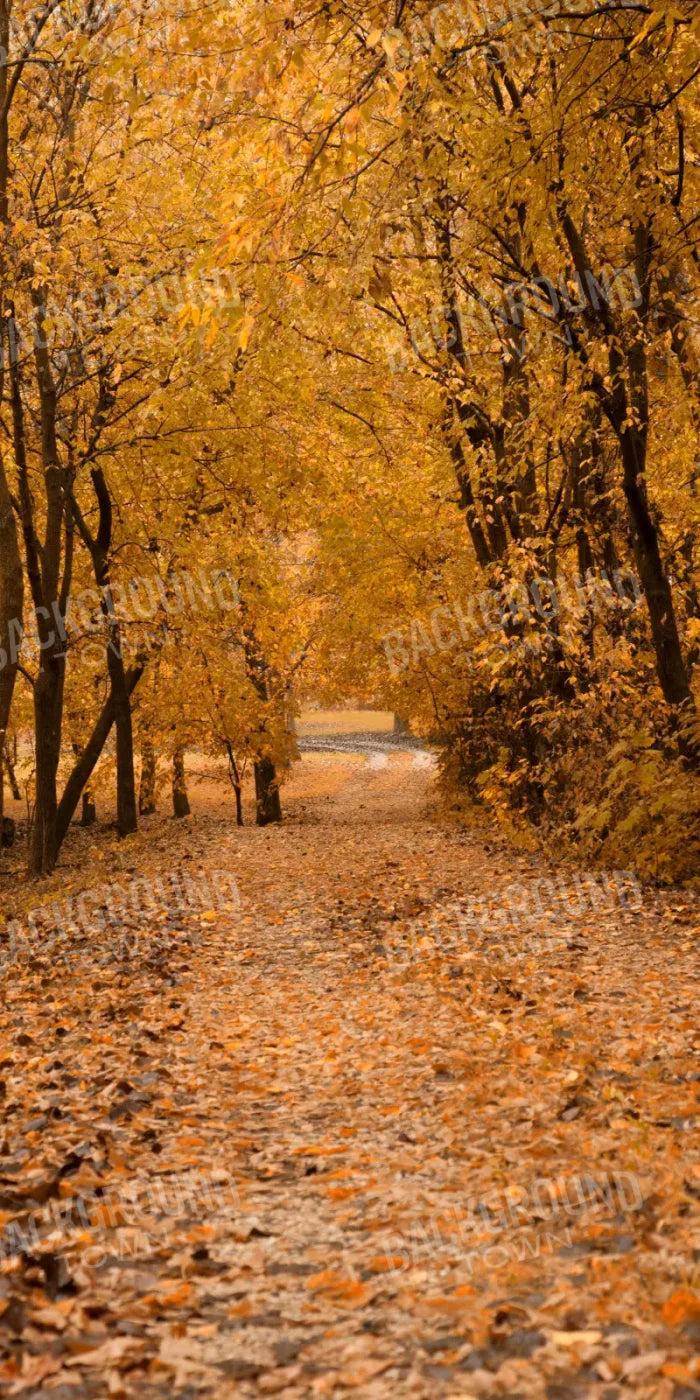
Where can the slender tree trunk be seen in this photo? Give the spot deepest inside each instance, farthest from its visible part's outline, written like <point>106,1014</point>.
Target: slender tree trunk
<point>99,547</point>
<point>235,777</point>
<point>49,591</point>
<point>48,712</point>
<point>633,437</point>
<point>11,605</point>
<point>181,805</point>
<point>11,773</point>
<point>48,687</point>
<point>89,813</point>
<point>11,574</point>
<point>147,789</point>
<point>127,818</point>
<point>624,398</point>
<point>670,666</point>
<point>84,768</point>
<point>267,796</point>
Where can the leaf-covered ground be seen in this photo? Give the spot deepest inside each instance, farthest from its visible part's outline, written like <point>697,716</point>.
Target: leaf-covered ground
<point>311,1147</point>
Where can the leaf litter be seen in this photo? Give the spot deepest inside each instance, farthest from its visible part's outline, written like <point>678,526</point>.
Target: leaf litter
<point>306,1147</point>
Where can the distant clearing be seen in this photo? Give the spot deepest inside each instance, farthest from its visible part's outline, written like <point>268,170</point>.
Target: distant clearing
<point>345,722</point>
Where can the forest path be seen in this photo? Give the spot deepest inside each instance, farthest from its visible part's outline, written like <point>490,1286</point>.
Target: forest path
<point>343,1138</point>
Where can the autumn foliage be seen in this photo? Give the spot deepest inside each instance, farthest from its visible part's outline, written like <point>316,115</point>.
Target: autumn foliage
<point>387,315</point>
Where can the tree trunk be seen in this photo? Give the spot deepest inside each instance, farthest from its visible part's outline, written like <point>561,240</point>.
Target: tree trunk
<point>127,819</point>
<point>670,666</point>
<point>147,790</point>
<point>234,775</point>
<point>624,398</point>
<point>48,713</point>
<point>89,814</point>
<point>267,796</point>
<point>99,547</point>
<point>84,768</point>
<point>11,605</point>
<point>181,806</point>
<point>10,762</point>
<point>49,591</point>
<point>11,573</point>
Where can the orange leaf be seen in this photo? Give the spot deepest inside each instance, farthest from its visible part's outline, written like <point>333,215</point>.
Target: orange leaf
<point>323,1280</point>
<point>109,1215</point>
<point>345,1291</point>
<point>677,1371</point>
<point>243,1309</point>
<point>177,1297</point>
<point>682,1306</point>
<point>384,1263</point>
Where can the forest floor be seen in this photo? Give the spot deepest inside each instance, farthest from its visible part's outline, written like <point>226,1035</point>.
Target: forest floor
<point>325,1134</point>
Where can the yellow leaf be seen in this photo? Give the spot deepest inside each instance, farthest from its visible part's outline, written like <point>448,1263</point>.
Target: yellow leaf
<point>652,22</point>
<point>245,332</point>
<point>391,43</point>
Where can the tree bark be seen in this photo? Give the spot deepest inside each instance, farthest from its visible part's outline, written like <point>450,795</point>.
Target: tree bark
<point>99,547</point>
<point>624,398</point>
<point>84,768</point>
<point>49,592</point>
<point>89,812</point>
<point>49,684</point>
<point>11,606</point>
<point>147,789</point>
<point>12,775</point>
<point>234,775</point>
<point>670,666</point>
<point>181,805</point>
<point>267,796</point>
<point>127,818</point>
<point>48,710</point>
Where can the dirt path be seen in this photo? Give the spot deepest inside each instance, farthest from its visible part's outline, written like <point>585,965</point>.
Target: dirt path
<point>360,1133</point>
